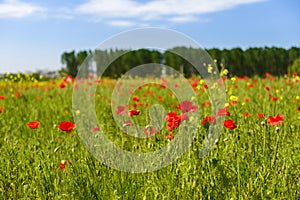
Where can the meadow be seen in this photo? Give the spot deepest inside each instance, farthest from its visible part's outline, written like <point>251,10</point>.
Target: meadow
<point>257,155</point>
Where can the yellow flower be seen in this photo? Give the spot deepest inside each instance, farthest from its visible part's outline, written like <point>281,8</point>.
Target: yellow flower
<point>209,68</point>
<point>233,79</point>
<point>233,98</point>
<point>201,82</point>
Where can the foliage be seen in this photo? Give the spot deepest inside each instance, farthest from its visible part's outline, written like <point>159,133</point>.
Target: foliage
<point>295,67</point>
<point>249,62</point>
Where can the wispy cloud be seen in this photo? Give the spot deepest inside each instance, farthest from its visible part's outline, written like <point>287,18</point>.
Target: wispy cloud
<point>18,9</point>
<point>134,12</point>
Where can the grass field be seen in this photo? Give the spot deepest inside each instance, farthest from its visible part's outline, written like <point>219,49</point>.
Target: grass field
<point>257,157</point>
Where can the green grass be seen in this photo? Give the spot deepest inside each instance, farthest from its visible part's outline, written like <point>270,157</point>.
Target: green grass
<point>253,161</point>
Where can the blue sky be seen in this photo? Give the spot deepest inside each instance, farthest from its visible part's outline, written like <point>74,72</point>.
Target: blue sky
<point>34,33</point>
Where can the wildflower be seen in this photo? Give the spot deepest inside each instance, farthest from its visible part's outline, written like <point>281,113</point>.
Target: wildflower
<point>67,126</point>
<point>33,124</point>
<point>135,98</point>
<point>298,108</point>
<point>173,120</point>
<point>208,120</point>
<point>246,114</point>
<point>150,130</point>
<point>2,97</point>
<point>223,112</point>
<point>229,124</point>
<point>62,85</point>
<point>120,110</point>
<point>276,120</point>
<point>63,164</point>
<point>133,112</point>
<point>169,136</point>
<point>187,106</point>
<point>95,129</point>
<point>127,123</point>
<point>1,109</point>
<point>260,115</point>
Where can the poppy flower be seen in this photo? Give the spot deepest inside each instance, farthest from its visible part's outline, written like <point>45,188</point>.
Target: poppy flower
<point>298,108</point>
<point>1,109</point>
<point>187,106</point>
<point>260,115</point>
<point>208,120</point>
<point>274,99</point>
<point>95,129</point>
<point>135,98</point>
<point>120,110</point>
<point>67,126</point>
<point>150,130</point>
<point>69,79</point>
<point>276,120</point>
<point>133,112</point>
<point>173,120</point>
<point>63,164</point>
<point>229,124</point>
<point>62,85</point>
<point>169,136</point>
<point>127,123</point>
<point>33,124</point>
<point>223,112</point>
<point>246,114</point>
<point>2,97</point>
<point>208,103</point>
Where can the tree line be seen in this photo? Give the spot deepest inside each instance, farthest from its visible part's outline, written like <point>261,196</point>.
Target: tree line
<point>239,62</point>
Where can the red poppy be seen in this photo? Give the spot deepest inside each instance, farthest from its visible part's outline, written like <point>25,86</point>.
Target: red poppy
<point>173,120</point>
<point>33,125</point>
<point>246,114</point>
<point>276,120</point>
<point>208,120</point>
<point>169,136</point>
<point>18,94</point>
<point>268,88</point>
<point>133,112</point>
<point>135,98</point>
<point>260,115</point>
<point>206,103</point>
<point>62,166</point>
<point>187,106</point>
<point>298,108</point>
<point>229,124</point>
<point>2,97</point>
<point>274,99</point>
<point>120,110</point>
<point>67,126</point>
<point>95,129</point>
<point>69,79</point>
<point>62,85</point>
<point>127,123</point>
<point>205,86</point>
<point>223,112</point>
<point>1,109</point>
<point>150,130</point>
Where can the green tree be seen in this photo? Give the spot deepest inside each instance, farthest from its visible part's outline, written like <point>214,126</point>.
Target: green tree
<point>69,58</point>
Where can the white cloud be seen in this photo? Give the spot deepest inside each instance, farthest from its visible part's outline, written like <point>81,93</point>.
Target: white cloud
<point>18,9</point>
<point>176,11</point>
<point>121,23</point>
